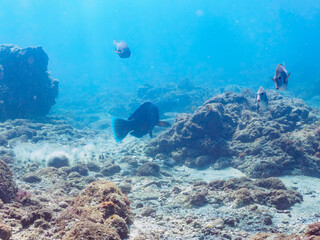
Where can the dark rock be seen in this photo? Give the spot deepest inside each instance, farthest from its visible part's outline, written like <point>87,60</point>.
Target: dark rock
<point>284,199</point>
<point>132,162</point>
<point>93,167</point>
<point>119,225</point>
<point>79,168</point>
<point>35,215</point>
<point>74,175</point>
<point>243,197</point>
<point>267,220</point>
<point>149,169</point>
<point>31,178</point>
<point>26,87</point>
<point>41,223</point>
<point>271,183</point>
<point>7,159</point>
<point>313,229</point>
<point>3,141</point>
<point>125,187</point>
<point>58,160</point>
<point>8,187</point>
<point>198,199</point>
<point>147,212</point>
<point>110,169</point>
<point>5,231</point>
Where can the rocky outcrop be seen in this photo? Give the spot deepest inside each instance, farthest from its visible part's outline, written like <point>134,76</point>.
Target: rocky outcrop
<point>99,212</point>
<point>227,130</point>
<point>244,191</point>
<point>27,89</point>
<point>8,187</point>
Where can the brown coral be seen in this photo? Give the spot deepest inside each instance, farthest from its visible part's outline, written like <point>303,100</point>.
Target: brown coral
<point>102,209</point>
<point>313,229</point>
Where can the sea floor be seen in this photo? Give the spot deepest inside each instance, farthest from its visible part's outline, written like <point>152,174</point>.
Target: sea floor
<point>160,203</point>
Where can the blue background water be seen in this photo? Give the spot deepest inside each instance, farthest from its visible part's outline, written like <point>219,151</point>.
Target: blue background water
<point>212,42</point>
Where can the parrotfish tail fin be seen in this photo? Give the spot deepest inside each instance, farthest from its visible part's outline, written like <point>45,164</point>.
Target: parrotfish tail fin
<point>120,128</point>
<point>114,42</point>
<point>163,124</point>
<point>283,65</point>
<point>286,81</point>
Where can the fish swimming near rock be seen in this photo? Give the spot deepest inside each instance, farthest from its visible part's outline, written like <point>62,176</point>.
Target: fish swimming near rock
<point>262,99</point>
<point>140,123</point>
<point>281,77</point>
<point>122,49</point>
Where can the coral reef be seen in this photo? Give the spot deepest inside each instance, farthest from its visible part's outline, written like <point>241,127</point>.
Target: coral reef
<point>227,128</point>
<point>100,209</point>
<point>26,88</point>
<point>8,187</point>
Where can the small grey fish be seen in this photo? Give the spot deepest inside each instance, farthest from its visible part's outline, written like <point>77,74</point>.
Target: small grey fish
<point>281,77</point>
<point>122,49</point>
<point>262,99</point>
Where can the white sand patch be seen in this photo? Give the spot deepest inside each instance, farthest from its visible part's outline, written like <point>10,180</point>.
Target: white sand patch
<point>309,187</point>
<point>209,174</point>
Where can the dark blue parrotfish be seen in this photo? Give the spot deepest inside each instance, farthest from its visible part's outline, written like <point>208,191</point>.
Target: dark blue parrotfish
<point>281,77</point>
<point>140,123</point>
<point>122,49</point>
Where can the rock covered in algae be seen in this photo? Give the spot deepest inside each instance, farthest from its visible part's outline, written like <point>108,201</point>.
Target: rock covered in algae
<point>8,187</point>
<point>228,128</point>
<point>99,212</point>
<point>27,89</point>
<point>5,232</point>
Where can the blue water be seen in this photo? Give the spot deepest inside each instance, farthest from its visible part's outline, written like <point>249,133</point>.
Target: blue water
<point>212,42</point>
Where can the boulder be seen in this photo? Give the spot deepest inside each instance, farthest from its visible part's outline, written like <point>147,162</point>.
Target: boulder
<point>27,89</point>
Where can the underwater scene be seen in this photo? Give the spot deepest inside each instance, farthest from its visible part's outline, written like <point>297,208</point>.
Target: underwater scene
<point>159,120</point>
